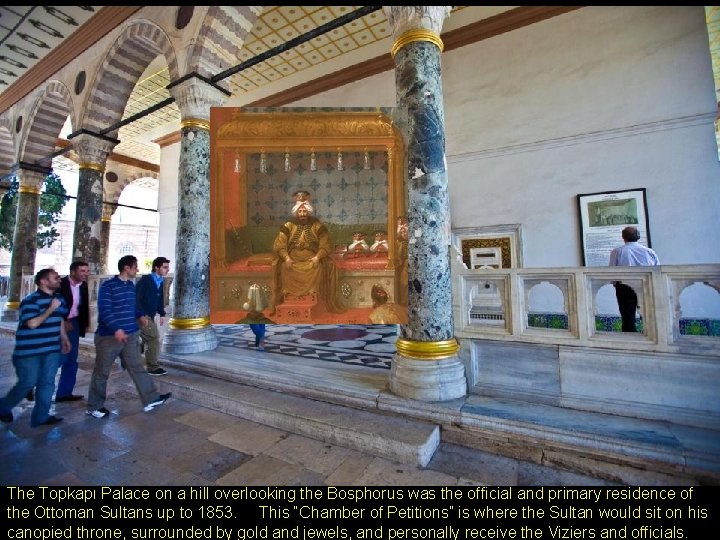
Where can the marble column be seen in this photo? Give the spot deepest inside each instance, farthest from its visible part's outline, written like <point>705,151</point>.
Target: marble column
<point>107,213</point>
<point>189,329</point>
<point>22,257</point>
<point>93,151</point>
<point>426,366</point>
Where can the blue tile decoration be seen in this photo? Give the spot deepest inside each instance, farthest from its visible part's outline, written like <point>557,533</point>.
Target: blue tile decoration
<point>353,195</point>
<point>700,327</point>
<point>613,323</point>
<point>548,320</point>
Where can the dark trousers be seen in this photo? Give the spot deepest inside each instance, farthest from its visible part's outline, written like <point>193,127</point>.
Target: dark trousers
<point>627,303</point>
<point>68,362</point>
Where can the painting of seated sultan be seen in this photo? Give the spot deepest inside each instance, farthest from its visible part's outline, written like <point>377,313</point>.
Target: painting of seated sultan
<point>292,219</point>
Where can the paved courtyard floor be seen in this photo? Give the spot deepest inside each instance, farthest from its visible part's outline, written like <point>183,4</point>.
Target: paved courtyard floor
<point>182,443</point>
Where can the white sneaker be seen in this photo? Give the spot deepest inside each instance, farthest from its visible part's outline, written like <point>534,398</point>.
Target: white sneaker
<point>159,401</point>
<point>102,412</point>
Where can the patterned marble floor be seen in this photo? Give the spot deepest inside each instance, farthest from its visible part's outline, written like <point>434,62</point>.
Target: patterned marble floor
<point>366,345</point>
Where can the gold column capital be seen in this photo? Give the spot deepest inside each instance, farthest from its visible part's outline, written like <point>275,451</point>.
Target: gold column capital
<point>189,324</point>
<point>427,350</point>
<point>416,34</point>
<point>13,305</point>
<point>196,123</point>
<point>90,165</point>
<point>29,189</point>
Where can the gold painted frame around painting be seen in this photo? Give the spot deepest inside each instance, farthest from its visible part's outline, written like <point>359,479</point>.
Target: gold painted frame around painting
<point>236,134</point>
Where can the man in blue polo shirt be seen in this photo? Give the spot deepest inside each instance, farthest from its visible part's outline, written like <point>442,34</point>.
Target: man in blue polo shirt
<point>39,341</point>
<point>118,334</point>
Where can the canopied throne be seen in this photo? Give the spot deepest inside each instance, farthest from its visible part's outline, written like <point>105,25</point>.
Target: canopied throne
<point>349,161</point>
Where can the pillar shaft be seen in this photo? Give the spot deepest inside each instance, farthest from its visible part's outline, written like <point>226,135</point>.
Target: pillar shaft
<point>107,214</point>
<point>104,247</point>
<point>426,366</point>
<point>87,237</point>
<point>22,257</point>
<point>189,329</point>
<point>192,248</point>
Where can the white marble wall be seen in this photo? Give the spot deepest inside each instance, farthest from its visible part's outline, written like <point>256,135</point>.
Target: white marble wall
<point>657,373</point>
<point>168,201</point>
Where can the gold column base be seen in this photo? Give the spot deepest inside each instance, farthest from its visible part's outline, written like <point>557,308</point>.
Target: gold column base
<point>13,305</point>
<point>427,350</point>
<point>189,324</point>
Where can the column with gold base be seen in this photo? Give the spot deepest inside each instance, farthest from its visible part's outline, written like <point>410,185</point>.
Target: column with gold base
<point>189,330</point>
<point>22,257</point>
<point>426,366</point>
<point>187,336</point>
<point>428,370</point>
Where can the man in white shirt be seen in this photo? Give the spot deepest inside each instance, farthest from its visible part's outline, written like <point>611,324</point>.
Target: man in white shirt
<point>630,254</point>
<point>74,289</point>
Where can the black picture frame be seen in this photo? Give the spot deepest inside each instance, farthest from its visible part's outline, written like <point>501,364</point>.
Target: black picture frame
<point>603,215</point>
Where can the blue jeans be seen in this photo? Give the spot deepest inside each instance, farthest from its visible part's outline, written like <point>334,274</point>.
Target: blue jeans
<point>38,372</point>
<point>68,362</point>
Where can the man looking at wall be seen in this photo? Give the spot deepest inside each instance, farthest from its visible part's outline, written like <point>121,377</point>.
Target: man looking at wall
<point>630,254</point>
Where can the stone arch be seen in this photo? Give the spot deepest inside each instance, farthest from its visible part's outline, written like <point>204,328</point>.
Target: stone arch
<point>221,36</point>
<point>114,191</point>
<point>7,147</point>
<point>45,123</point>
<point>138,45</point>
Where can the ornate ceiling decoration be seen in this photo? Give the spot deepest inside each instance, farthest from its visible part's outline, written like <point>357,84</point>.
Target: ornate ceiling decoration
<point>276,25</point>
<point>29,33</point>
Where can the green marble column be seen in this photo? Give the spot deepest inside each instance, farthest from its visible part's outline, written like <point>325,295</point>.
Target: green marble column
<point>189,329</point>
<point>22,257</point>
<point>426,366</point>
<point>93,151</point>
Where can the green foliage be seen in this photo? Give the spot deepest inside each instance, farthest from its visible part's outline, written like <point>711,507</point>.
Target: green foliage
<point>8,208</point>
<point>52,201</point>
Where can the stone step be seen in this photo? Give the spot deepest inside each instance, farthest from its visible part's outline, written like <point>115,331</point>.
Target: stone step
<point>385,435</point>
